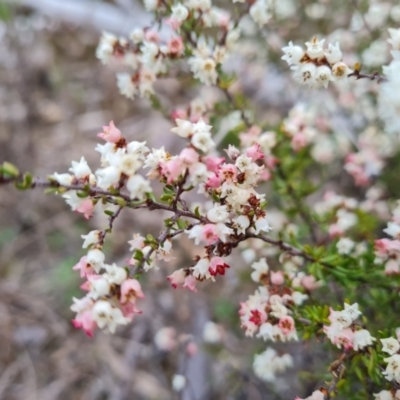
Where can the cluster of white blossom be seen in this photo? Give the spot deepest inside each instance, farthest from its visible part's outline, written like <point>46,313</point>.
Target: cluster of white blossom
<point>342,332</point>
<point>268,363</point>
<point>341,211</point>
<point>268,311</point>
<point>392,347</point>
<point>387,251</point>
<point>389,91</point>
<point>316,66</point>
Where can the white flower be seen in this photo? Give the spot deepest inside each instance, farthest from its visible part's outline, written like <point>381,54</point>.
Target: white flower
<point>138,187</point>
<point>108,176</point>
<point>203,141</point>
<point>352,310</point>
<point>306,74</point>
<point>107,316</point>
<point>105,49</point>
<point>293,54</point>
<point>80,169</point>
<point>201,270</point>
<point>384,395</point>
<point>204,69</point>
<point>241,223</point>
<point>99,286</point>
<point>178,382</point>
<point>323,76</point>
<point>390,345</point>
<point>261,268</point>
<point>91,238</point>
<point>266,364</point>
<point>262,224</point>
<point>95,257</point>
<point>137,35</point>
<point>179,12</point>
<point>260,13</point>
<point>345,246</point>
<point>392,229</point>
<point>63,179</point>
<point>183,129</point>
<point>126,86</point>
<point>315,48</point>
<point>218,214</point>
<point>392,371</point>
<point>340,70</point>
<point>333,54</point>
<point>115,275</point>
<point>361,339</point>
<point>223,231</point>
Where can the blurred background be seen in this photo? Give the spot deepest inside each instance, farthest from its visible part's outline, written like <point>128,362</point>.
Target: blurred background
<point>54,97</point>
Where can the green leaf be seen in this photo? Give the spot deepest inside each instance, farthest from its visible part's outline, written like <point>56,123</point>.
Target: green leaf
<point>9,170</point>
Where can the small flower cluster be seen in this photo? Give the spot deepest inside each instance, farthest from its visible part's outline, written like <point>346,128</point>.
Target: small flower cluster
<point>268,310</point>
<point>268,363</point>
<point>387,251</point>
<point>341,212</point>
<point>112,295</point>
<point>392,347</point>
<point>343,332</point>
<point>316,66</point>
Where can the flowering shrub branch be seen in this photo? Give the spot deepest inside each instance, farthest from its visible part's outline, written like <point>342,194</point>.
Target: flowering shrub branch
<point>330,244</point>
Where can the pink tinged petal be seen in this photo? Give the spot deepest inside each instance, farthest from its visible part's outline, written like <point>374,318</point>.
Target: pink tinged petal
<point>189,156</point>
<point>217,266</point>
<point>254,152</point>
<point>190,283</point>
<point>110,133</point>
<point>286,324</point>
<point>131,290</point>
<point>85,322</point>
<point>86,208</point>
<point>84,268</point>
<point>277,278</point>
<point>177,278</point>
<point>213,182</point>
<point>213,163</point>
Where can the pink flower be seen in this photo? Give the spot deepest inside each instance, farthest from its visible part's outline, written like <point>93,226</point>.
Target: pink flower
<point>209,234</point>
<point>228,172</point>
<point>217,266</point>
<point>86,208</point>
<point>392,267</point>
<point>213,182</point>
<point>286,324</point>
<point>130,291</point>
<point>172,169</point>
<point>258,317</point>
<point>213,163</point>
<point>344,338</point>
<point>83,266</point>
<point>129,310</point>
<point>173,23</point>
<point>299,141</point>
<point>110,133</point>
<point>277,278</point>
<point>85,322</point>
<point>177,278</point>
<point>310,283</point>
<point>190,283</point>
<point>254,152</point>
<point>152,36</point>
<point>189,156</point>
<point>175,46</point>
<point>178,114</point>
